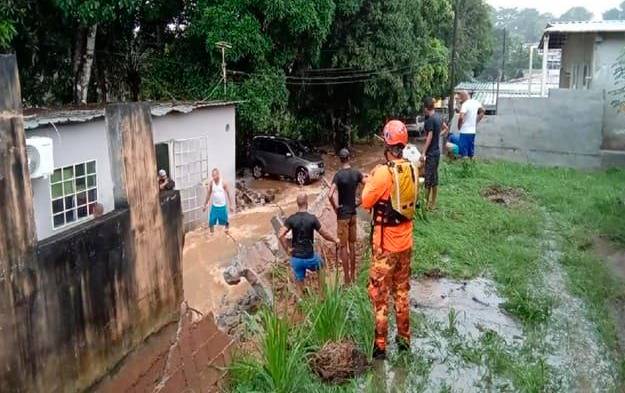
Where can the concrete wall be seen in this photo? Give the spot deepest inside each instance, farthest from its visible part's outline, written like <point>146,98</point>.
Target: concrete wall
<point>216,122</point>
<point>564,129</point>
<point>82,312</point>
<point>607,52</point>
<point>74,143</point>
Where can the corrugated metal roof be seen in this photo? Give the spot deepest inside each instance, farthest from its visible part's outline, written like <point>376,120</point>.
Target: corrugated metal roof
<point>486,92</point>
<point>604,26</point>
<point>69,116</point>
<point>558,31</point>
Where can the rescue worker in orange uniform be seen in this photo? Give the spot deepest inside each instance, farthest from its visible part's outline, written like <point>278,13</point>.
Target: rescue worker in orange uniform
<point>391,242</point>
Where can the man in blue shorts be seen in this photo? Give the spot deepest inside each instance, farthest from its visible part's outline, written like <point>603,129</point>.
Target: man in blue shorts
<point>303,225</point>
<point>471,112</point>
<point>219,198</point>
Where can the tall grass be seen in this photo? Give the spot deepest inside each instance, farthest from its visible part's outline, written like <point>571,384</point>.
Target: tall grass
<point>280,368</point>
<point>326,314</point>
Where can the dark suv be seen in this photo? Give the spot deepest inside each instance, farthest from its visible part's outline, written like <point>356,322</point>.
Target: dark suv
<point>285,157</point>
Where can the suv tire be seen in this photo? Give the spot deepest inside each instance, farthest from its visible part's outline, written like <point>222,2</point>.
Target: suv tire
<point>301,176</point>
<point>257,170</point>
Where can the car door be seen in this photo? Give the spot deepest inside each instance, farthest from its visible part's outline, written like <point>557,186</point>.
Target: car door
<point>281,154</point>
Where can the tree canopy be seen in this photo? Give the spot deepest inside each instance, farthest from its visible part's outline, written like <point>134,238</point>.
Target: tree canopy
<point>617,13</point>
<point>323,70</point>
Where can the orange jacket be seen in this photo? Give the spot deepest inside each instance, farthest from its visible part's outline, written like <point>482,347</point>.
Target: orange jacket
<point>378,187</point>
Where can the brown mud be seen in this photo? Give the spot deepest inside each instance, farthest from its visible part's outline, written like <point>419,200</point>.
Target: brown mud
<point>338,362</point>
<point>614,257</point>
<point>506,196</point>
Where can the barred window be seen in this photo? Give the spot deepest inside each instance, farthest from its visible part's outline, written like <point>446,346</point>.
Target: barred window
<point>74,193</point>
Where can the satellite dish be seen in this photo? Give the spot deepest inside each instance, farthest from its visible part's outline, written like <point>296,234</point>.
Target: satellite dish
<point>34,159</point>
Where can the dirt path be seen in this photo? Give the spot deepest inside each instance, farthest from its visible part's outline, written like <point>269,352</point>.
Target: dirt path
<point>580,357</point>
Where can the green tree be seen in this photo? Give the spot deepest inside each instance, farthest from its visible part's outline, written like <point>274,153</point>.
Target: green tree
<point>576,14</point>
<point>528,23</point>
<point>88,14</point>
<point>617,13</point>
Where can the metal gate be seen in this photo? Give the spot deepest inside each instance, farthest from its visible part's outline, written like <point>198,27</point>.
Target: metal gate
<point>190,172</point>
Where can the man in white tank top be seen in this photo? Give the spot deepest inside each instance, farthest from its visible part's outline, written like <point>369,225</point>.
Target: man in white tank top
<point>218,196</point>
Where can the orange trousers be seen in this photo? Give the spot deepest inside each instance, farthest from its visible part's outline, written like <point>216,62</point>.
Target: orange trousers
<point>390,272</point>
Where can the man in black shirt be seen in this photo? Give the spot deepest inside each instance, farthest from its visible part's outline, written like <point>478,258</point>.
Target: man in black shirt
<point>431,151</point>
<point>346,181</point>
<point>303,226</point>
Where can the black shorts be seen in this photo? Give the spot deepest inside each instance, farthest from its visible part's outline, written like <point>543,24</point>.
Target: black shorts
<point>431,171</point>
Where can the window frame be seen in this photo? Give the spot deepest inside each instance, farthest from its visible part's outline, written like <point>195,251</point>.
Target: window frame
<point>96,187</point>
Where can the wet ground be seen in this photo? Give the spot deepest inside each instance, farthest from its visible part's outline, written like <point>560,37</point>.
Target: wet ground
<point>205,256</point>
<point>464,341</point>
<point>449,319</point>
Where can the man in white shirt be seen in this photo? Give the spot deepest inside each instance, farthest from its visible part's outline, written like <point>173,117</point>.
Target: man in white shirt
<point>471,112</point>
<point>219,198</point>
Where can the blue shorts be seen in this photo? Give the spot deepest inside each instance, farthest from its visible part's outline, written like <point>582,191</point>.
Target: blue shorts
<point>218,216</point>
<point>454,138</point>
<point>466,146</point>
<point>300,265</point>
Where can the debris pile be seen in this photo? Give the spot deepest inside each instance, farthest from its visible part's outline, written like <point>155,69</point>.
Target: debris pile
<point>502,195</point>
<point>247,198</point>
<point>338,362</point>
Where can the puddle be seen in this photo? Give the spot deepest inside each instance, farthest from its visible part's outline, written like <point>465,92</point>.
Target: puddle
<point>445,316</point>
<point>502,195</point>
<point>475,304</point>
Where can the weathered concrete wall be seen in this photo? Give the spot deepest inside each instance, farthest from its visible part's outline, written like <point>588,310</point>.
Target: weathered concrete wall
<point>70,311</point>
<point>83,313</point>
<point>564,129</point>
<point>73,144</point>
<point>606,56</point>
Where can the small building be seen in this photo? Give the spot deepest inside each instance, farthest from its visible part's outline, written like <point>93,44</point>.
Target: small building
<point>190,139</point>
<point>589,52</point>
<point>573,123</point>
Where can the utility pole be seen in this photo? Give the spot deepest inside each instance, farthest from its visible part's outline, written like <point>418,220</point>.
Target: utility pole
<point>503,69</point>
<point>531,69</point>
<point>452,65</point>
<point>223,46</point>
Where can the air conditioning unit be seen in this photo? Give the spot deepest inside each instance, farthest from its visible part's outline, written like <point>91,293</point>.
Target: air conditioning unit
<point>40,159</point>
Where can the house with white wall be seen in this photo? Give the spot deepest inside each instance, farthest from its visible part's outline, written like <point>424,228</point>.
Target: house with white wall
<point>574,123</point>
<point>190,139</point>
<point>590,51</point>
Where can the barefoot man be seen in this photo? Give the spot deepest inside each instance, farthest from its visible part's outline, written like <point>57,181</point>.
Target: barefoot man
<point>346,181</point>
<point>220,200</point>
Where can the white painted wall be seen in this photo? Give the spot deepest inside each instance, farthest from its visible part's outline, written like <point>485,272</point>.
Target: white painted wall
<point>607,51</point>
<point>74,143</point>
<point>216,122</point>
<point>81,142</point>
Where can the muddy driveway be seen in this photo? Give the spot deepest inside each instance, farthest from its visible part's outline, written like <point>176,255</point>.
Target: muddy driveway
<point>205,256</point>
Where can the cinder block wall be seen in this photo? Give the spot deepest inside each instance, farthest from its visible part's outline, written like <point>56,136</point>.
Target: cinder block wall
<point>564,129</point>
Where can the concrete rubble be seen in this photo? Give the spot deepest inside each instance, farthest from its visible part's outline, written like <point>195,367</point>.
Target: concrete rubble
<point>254,263</point>
<point>247,198</point>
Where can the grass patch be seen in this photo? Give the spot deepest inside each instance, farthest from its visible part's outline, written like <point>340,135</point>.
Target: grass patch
<point>466,237</point>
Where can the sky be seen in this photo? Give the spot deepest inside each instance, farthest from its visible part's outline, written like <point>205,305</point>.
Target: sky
<point>557,7</point>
